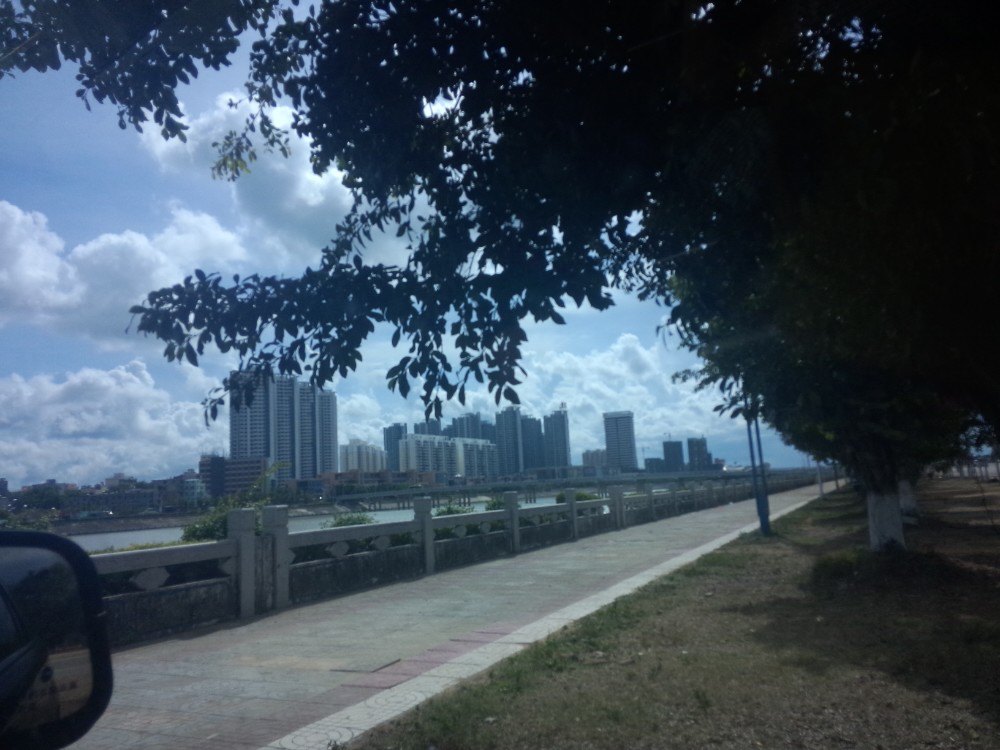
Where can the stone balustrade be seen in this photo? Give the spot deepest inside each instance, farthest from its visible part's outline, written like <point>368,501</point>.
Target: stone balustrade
<point>257,569</point>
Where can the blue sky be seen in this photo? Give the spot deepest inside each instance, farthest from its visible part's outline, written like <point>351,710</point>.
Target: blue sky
<point>92,217</point>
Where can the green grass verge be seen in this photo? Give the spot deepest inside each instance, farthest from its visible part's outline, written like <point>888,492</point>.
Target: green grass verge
<point>803,639</point>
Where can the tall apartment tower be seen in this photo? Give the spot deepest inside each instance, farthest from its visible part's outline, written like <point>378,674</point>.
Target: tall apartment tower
<point>251,426</point>
<point>699,459</point>
<point>673,455</point>
<point>619,439</point>
<point>428,427</point>
<point>467,426</point>
<point>532,443</point>
<point>291,424</point>
<point>326,426</point>
<point>391,436</point>
<point>427,453</point>
<point>359,455</point>
<point>287,429</point>
<point>510,448</point>
<point>557,438</point>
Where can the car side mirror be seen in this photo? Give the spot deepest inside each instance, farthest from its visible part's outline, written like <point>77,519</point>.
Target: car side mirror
<point>55,664</point>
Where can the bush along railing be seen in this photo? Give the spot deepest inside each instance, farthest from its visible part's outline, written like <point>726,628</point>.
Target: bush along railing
<point>261,567</point>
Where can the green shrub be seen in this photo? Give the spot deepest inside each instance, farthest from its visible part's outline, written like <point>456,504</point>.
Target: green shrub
<point>27,521</point>
<point>452,510</point>
<point>349,519</point>
<point>580,497</point>
<point>213,525</point>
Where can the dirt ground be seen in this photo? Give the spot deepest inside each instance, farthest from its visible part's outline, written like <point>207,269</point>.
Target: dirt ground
<point>960,520</point>
<point>801,640</point>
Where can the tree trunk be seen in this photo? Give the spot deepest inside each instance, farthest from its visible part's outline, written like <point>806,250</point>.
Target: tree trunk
<point>885,521</point>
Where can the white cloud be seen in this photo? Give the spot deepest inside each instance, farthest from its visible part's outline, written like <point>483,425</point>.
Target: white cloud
<point>288,212</point>
<point>627,376</point>
<point>89,289</point>
<point>90,423</point>
<point>35,278</point>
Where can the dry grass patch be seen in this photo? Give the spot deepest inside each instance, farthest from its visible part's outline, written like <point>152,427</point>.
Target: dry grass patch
<point>802,640</point>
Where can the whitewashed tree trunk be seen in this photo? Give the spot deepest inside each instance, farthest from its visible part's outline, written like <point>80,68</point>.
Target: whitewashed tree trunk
<point>908,500</point>
<point>885,521</point>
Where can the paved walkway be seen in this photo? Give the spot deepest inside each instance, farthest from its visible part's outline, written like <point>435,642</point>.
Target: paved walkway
<point>303,677</point>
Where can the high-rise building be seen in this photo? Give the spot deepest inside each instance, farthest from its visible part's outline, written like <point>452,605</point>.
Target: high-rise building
<point>532,443</point>
<point>475,459</point>
<point>251,426</point>
<point>286,429</point>
<point>291,424</point>
<point>4,489</point>
<point>619,439</point>
<point>428,427</point>
<point>360,455</point>
<point>468,458</point>
<point>557,452</point>
<point>467,426</point>
<point>699,459</point>
<point>489,431</point>
<point>307,432</point>
<point>427,453</point>
<point>391,436</point>
<point>326,426</point>
<point>654,465</point>
<point>598,457</point>
<point>673,455</point>
<point>510,449</point>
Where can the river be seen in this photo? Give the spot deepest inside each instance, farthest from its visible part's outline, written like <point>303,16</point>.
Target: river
<point>121,539</point>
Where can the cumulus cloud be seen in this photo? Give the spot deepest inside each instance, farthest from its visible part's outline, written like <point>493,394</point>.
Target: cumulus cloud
<point>627,376</point>
<point>287,211</point>
<point>35,278</point>
<point>90,423</point>
<point>89,289</point>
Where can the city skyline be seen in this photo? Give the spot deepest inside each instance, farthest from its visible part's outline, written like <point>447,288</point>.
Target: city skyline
<point>286,390</point>
<point>93,218</point>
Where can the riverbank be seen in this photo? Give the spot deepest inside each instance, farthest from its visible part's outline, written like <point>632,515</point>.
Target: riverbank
<point>801,640</point>
<point>128,523</point>
<point>169,520</point>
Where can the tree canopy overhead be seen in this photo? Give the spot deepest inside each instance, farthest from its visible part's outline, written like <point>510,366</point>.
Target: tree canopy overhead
<point>811,187</point>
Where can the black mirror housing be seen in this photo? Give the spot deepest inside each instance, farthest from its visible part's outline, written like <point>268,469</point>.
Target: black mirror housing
<point>55,662</point>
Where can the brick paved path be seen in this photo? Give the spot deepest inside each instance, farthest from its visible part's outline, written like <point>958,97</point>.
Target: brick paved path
<point>328,671</point>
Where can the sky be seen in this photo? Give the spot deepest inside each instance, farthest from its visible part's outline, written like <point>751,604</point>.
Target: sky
<point>93,217</point>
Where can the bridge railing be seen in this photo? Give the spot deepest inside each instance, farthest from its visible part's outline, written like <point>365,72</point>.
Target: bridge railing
<point>261,567</point>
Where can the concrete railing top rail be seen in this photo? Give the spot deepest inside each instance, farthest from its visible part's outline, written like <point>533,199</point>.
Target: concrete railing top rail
<point>124,562</point>
<point>350,533</point>
<point>456,519</point>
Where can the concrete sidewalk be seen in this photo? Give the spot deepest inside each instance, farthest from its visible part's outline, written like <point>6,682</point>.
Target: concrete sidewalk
<point>329,671</point>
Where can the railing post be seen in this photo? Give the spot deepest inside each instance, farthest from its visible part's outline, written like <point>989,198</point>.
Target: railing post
<point>422,513</point>
<point>513,520</point>
<point>240,527</point>
<point>570,494</point>
<point>617,495</point>
<point>274,519</point>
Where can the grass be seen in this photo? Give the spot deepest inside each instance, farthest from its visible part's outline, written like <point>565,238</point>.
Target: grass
<point>803,639</point>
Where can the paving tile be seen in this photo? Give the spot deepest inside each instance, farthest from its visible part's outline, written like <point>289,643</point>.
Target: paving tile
<point>301,678</point>
<point>380,680</point>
